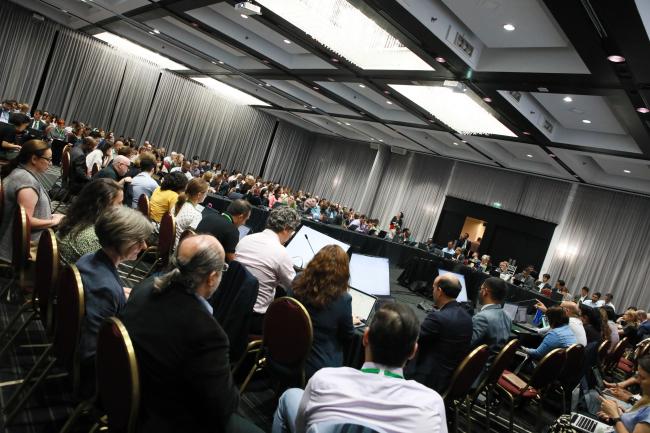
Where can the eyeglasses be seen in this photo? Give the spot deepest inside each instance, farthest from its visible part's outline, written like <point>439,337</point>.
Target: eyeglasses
<point>46,158</point>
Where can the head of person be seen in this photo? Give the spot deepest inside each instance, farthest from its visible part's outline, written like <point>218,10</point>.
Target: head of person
<point>526,271</point>
<point>88,144</point>
<point>485,259</point>
<point>584,291</point>
<point>458,251</point>
<point>147,162</point>
<point>571,308</point>
<point>239,210</point>
<point>446,288</point>
<point>195,192</point>
<point>595,297</point>
<point>187,165</point>
<point>503,266</point>
<point>175,181</point>
<point>590,316</point>
<point>391,338</point>
<point>197,267</point>
<point>283,221</point>
<point>630,317</point>
<point>325,278</point>
<point>608,298</point>
<point>641,316</point>
<point>60,123</point>
<point>122,232</point>
<point>493,291</point>
<point>19,120</point>
<point>121,164</point>
<point>118,145</point>
<point>559,284</point>
<point>35,155</point>
<point>557,317</point>
<point>546,278</point>
<point>38,115</point>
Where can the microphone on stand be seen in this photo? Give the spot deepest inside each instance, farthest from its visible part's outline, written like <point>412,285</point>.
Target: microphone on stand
<point>309,243</point>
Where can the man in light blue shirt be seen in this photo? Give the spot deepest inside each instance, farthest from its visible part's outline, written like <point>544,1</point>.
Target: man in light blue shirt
<point>143,183</point>
<point>450,248</point>
<point>560,337</point>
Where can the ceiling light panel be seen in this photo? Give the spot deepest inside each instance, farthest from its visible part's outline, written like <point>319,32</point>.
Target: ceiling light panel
<point>346,31</point>
<point>230,93</point>
<point>139,51</point>
<point>459,111</point>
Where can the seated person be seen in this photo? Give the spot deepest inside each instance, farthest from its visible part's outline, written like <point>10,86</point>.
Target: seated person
<point>323,289</point>
<point>637,418</point>
<point>187,216</point>
<point>182,351</point>
<point>458,255</point>
<point>265,257</point>
<point>376,396</point>
<point>560,336</point>
<point>79,173</point>
<point>9,146</point>
<point>595,301</point>
<point>449,249</point>
<point>225,226</point>
<point>116,170</point>
<point>445,337</point>
<point>545,283</point>
<point>575,323</point>
<point>631,327</point>
<point>491,325</point>
<point>76,235</point>
<point>163,200</point>
<point>121,232</point>
<point>527,280</point>
<point>143,183</point>
<point>591,322</point>
<point>21,187</point>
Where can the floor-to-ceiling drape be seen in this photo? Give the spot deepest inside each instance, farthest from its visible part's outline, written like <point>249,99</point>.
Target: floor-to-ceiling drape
<point>289,151</point>
<point>24,45</point>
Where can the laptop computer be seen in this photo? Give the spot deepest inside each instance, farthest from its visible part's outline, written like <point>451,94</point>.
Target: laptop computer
<point>363,305</point>
<point>510,310</point>
<point>586,424</point>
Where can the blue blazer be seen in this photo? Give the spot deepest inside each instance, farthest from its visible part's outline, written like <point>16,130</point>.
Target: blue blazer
<point>491,327</point>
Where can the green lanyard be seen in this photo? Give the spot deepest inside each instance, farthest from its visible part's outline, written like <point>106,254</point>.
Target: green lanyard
<point>226,216</point>
<point>377,371</point>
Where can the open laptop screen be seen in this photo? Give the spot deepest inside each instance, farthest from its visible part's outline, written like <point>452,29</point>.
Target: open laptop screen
<point>370,274</point>
<point>362,303</point>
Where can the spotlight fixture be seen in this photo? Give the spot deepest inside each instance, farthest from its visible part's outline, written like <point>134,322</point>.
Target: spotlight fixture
<point>643,110</point>
<point>464,141</point>
<point>487,99</point>
<point>587,121</point>
<point>338,123</point>
<point>552,155</point>
<point>286,41</point>
<point>615,58</point>
<point>386,92</point>
<point>508,27</point>
<point>627,171</point>
<point>440,59</point>
<point>335,60</point>
<point>267,85</point>
<point>567,99</point>
<point>151,33</point>
<point>526,133</point>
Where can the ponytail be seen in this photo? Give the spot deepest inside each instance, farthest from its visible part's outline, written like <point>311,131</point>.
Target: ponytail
<point>182,199</point>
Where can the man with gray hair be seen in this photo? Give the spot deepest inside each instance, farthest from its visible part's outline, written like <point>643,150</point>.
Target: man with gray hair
<point>117,170</point>
<point>182,350</point>
<point>265,257</point>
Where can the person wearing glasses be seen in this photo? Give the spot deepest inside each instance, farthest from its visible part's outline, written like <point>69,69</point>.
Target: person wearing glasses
<point>21,187</point>
<point>121,232</point>
<point>116,170</point>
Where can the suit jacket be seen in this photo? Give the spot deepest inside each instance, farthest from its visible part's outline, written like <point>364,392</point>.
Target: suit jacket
<point>444,341</point>
<point>182,352</point>
<point>491,327</point>
<point>464,244</point>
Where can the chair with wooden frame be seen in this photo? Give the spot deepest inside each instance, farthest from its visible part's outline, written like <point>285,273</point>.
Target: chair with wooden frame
<point>285,343</point>
<point>611,361</point>
<point>47,264</point>
<point>118,382</point>
<point>572,372</point>
<point>517,391</point>
<point>459,389</point>
<point>143,205</point>
<point>20,253</point>
<point>166,240</point>
<point>95,169</point>
<point>70,311</point>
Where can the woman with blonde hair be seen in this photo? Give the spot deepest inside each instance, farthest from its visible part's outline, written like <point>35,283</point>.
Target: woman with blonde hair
<point>323,290</point>
<point>186,214</point>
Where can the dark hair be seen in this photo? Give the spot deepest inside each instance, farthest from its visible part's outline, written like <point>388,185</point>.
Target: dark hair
<point>239,207</point>
<point>549,277</point>
<point>557,317</point>
<point>18,119</point>
<point>450,287</point>
<point>175,181</point>
<point>597,294</point>
<point>592,315</point>
<point>194,186</point>
<point>611,314</point>
<point>147,161</point>
<point>561,283</point>
<point>609,295</point>
<point>94,198</point>
<point>585,288</point>
<point>392,334</point>
<point>497,287</point>
<point>325,278</point>
<point>28,149</point>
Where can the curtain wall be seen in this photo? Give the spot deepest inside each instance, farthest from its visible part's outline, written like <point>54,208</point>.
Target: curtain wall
<point>25,44</point>
<point>188,118</point>
<point>289,151</point>
<point>605,245</point>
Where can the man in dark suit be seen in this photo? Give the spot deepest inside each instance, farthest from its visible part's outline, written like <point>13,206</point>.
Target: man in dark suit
<point>37,123</point>
<point>182,351</point>
<point>463,243</point>
<point>445,337</point>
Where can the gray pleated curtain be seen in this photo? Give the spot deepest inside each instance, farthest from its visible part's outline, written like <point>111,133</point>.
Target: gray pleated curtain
<point>24,46</point>
<point>288,154</point>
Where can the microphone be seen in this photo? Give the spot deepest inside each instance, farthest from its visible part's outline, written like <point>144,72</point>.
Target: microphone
<point>312,249</point>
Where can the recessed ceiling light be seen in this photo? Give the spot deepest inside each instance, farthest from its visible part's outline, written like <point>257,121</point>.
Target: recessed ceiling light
<point>313,106</point>
<point>508,27</point>
<point>372,139</point>
<point>363,86</point>
<point>487,99</point>
<point>347,124</point>
<point>464,141</point>
<point>586,121</point>
<point>381,140</point>
<point>362,113</point>
<point>552,155</point>
<point>338,123</point>
<point>386,92</point>
<point>64,11</point>
<point>267,85</point>
<point>156,31</point>
<point>643,110</point>
<point>335,60</point>
<point>259,84</point>
<point>526,133</point>
<point>614,58</point>
<point>627,171</point>
<point>151,33</point>
<point>213,62</point>
<point>316,88</point>
<point>441,59</point>
<point>529,155</point>
<point>389,102</point>
<point>244,16</point>
<point>266,62</point>
<point>286,41</point>
<point>221,62</point>
<point>567,99</point>
<point>543,89</point>
<point>455,144</point>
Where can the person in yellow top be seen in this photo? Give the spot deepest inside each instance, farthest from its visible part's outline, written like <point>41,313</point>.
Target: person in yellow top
<point>163,200</point>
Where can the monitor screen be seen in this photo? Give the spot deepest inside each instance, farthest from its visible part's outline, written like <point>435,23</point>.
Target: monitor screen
<point>362,303</point>
<point>370,274</point>
<point>307,242</point>
<point>462,297</point>
<point>243,231</point>
<point>510,310</point>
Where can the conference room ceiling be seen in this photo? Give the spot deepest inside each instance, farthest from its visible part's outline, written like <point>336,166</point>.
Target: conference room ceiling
<point>536,91</point>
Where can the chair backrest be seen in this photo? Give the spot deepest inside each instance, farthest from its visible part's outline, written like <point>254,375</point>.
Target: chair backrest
<point>574,363</point>
<point>166,238</point>
<point>2,202</point>
<point>143,205</point>
<point>70,311</point>
<point>466,374</point>
<point>94,170</point>
<point>21,237</point>
<point>548,370</point>
<point>615,355</point>
<point>65,164</point>
<point>47,266</point>
<point>603,350</point>
<point>502,361</point>
<point>288,332</point>
<point>118,383</point>
<point>547,292</point>
<point>186,233</point>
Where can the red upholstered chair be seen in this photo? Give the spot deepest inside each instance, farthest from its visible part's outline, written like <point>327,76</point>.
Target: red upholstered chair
<point>517,391</point>
<point>143,205</point>
<point>459,389</point>
<point>572,372</point>
<point>285,344</point>
<point>166,240</point>
<point>70,310</point>
<point>547,292</point>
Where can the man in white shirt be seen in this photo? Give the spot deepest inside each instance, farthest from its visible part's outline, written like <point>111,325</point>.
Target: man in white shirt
<point>265,257</point>
<point>143,183</point>
<point>595,301</point>
<point>573,311</point>
<point>608,301</point>
<point>185,169</point>
<point>377,396</point>
<point>450,248</point>
<point>584,295</point>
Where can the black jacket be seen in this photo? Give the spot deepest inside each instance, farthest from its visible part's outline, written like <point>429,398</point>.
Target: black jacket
<point>445,337</point>
<point>182,353</point>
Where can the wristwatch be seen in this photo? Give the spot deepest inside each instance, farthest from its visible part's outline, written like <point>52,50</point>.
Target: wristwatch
<point>615,421</point>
